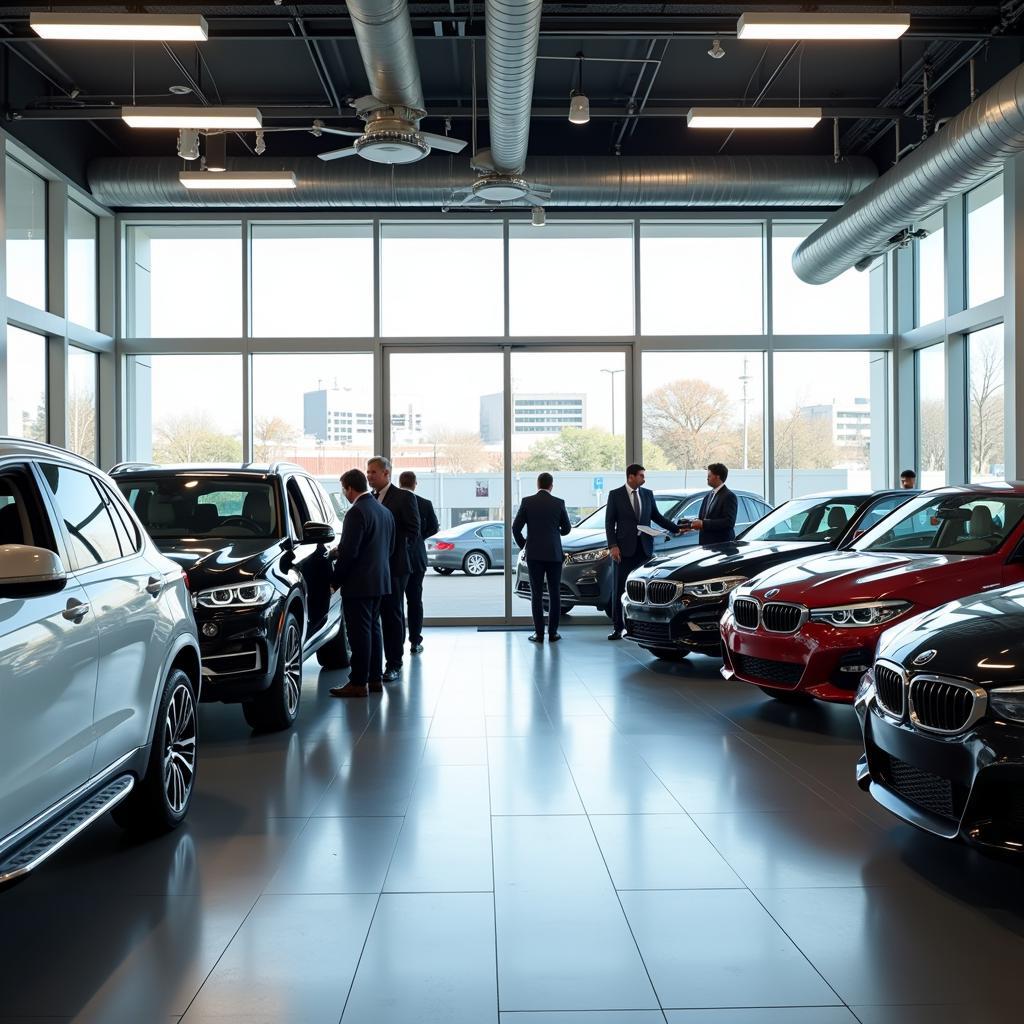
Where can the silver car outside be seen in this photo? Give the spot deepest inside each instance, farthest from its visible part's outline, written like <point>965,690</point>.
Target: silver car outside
<point>99,661</point>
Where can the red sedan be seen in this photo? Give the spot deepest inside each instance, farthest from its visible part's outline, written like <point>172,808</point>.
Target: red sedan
<point>809,628</point>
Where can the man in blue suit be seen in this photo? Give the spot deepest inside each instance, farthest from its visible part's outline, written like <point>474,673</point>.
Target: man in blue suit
<point>363,574</point>
<point>546,522</point>
<point>628,507</point>
<point>716,521</point>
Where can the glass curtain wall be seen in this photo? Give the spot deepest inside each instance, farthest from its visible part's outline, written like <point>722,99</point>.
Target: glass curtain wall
<point>930,277</point>
<point>931,416</point>
<point>985,424</point>
<point>25,217</point>
<point>83,255</point>
<point>27,395</point>
<point>82,405</point>
<point>985,261</point>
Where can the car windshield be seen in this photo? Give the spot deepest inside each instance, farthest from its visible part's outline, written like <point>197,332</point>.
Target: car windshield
<point>948,524</point>
<point>203,506</point>
<point>667,504</point>
<point>806,520</point>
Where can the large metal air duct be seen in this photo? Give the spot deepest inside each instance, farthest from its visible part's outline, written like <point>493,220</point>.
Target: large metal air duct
<point>610,182</point>
<point>972,146</point>
<point>384,34</point>
<point>513,33</point>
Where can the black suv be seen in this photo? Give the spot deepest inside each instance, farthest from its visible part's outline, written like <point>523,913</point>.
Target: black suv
<point>255,543</point>
<point>673,605</point>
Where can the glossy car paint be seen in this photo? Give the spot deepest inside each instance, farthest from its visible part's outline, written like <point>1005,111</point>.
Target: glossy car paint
<point>485,536</point>
<point>827,657</point>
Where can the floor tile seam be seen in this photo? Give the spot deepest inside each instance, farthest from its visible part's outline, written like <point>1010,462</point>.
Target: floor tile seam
<point>494,883</point>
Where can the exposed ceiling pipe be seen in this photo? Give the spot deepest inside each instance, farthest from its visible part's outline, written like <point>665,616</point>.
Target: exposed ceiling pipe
<point>513,34</point>
<point>609,182</point>
<point>971,146</point>
<point>384,34</point>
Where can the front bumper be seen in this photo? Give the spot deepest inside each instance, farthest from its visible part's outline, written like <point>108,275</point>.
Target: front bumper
<point>585,584</point>
<point>690,624</point>
<point>239,661</point>
<point>823,661</point>
<point>968,786</point>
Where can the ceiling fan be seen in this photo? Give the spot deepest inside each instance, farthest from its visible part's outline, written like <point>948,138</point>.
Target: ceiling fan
<point>390,135</point>
<point>495,188</point>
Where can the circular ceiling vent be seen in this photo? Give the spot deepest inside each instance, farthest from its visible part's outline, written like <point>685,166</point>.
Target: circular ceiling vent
<point>500,188</point>
<point>392,146</point>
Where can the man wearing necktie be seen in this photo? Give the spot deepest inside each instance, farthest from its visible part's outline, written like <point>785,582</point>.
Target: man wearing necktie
<point>628,507</point>
<point>717,518</point>
<point>402,505</point>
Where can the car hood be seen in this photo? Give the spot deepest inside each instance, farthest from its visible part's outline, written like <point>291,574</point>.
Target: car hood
<point>209,565</point>
<point>583,540</point>
<point>840,577</point>
<point>979,638</point>
<point>738,558</point>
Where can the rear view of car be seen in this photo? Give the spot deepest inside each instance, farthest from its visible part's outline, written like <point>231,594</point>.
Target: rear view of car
<point>99,662</point>
<point>473,548</point>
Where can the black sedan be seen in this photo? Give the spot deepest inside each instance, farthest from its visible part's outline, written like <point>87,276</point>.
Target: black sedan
<point>255,544</point>
<point>673,605</point>
<point>942,713</point>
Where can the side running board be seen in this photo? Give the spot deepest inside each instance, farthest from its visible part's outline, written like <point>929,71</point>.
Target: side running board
<point>45,844</point>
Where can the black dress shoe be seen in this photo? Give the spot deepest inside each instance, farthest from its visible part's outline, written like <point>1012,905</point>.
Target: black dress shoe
<point>392,674</point>
<point>349,690</point>
<point>615,634</point>
<point>376,686</point>
<point>416,649</point>
<point>554,637</point>
<point>536,638</point>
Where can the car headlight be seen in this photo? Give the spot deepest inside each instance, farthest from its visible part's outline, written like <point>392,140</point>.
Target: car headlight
<point>241,595</point>
<point>859,615</point>
<point>1008,701</point>
<point>866,686</point>
<point>584,557</point>
<point>713,588</point>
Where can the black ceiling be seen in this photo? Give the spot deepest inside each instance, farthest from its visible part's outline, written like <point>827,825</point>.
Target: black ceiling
<point>62,97</point>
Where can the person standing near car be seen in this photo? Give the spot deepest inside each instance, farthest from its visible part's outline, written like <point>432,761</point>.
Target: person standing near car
<point>546,522</point>
<point>418,562</point>
<point>402,506</point>
<point>362,572</point>
<point>630,507</point>
<point>716,521</point>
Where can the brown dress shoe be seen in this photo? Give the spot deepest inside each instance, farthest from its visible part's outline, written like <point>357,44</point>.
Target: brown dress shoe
<point>349,690</point>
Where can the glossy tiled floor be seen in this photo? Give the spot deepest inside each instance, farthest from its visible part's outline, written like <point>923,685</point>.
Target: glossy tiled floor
<point>560,835</point>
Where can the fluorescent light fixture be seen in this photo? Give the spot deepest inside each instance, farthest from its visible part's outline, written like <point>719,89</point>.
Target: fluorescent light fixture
<point>233,118</point>
<point>238,179</point>
<point>753,117</point>
<point>169,28</point>
<point>822,26</point>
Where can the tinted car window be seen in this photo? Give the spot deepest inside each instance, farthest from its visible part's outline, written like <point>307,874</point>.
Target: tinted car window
<point>492,533</point>
<point>22,520</point>
<point>91,533</point>
<point>805,520</point>
<point>127,534</point>
<point>313,507</point>
<point>879,511</point>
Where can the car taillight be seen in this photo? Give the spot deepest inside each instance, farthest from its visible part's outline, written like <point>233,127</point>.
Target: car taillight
<point>188,585</point>
<point>443,545</point>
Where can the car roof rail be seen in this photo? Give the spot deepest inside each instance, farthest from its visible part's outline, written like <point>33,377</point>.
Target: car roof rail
<point>127,467</point>
<point>49,450</point>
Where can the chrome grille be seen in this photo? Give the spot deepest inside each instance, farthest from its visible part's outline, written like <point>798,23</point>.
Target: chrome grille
<point>745,612</point>
<point>944,705</point>
<point>890,689</point>
<point>782,618</point>
<point>636,590</point>
<point>661,592</point>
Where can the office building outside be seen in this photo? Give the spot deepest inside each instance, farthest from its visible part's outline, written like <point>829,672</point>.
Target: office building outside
<point>533,415</point>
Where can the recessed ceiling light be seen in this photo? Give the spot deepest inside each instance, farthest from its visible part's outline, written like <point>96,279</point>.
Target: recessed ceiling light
<point>238,179</point>
<point>140,27</point>
<point>234,118</point>
<point>753,117</point>
<point>822,26</point>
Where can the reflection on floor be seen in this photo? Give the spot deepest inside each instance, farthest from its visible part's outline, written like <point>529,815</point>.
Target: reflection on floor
<point>565,835</point>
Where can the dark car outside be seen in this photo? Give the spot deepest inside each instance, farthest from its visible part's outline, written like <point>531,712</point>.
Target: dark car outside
<point>673,606</point>
<point>255,543</point>
<point>587,569</point>
<point>808,628</point>
<point>942,715</point>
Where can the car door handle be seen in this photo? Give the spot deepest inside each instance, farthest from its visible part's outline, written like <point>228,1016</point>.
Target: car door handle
<point>75,610</point>
<point>154,586</point>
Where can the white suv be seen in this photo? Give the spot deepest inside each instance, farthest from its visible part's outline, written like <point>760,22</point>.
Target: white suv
<point>99,661</point>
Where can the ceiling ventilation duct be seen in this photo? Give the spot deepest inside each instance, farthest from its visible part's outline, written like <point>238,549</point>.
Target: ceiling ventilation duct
<point>608,182</point>
<point>971,146</point>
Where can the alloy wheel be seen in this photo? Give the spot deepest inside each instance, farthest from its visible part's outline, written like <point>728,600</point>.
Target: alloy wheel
<point>179,748</point>
<point>476,564</point>
<point>292,671</point>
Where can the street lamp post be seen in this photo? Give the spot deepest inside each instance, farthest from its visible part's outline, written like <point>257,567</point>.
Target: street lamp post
<point>611,380</point>
<point>745,379</point>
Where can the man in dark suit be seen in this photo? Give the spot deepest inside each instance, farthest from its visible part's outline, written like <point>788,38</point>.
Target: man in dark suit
<point>362,572</point>
<point>546,522</point>
<point>716,520</point>
<point>402,505</point>
<point>414,589</point>
<point>628,507</point>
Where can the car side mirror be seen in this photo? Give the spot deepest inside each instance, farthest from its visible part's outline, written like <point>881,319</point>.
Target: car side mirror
<point>317,533</point>
<point>30,572</point>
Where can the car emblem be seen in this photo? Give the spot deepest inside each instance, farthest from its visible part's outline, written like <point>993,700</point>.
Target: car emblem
<point>772,593</point>
<point>924,657</point>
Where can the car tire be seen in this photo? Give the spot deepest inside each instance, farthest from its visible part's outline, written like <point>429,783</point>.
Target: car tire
<point>278,706</point>
<point>668,653</point>
<point>795,697</point>
<point>334,654</point>
<point>443,570</point>
<point>476,563</point>
<point>160,799</point>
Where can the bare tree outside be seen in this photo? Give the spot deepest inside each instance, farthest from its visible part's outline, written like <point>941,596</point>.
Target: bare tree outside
<point>81,423</point>
<point>931,442</point>
<point>192,437</point>
<point>271,436</point>
<point>986,408</point>
<point>459,451</point>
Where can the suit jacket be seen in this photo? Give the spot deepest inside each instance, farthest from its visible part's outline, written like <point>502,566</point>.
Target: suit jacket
<point>546,523</point>
<point>402,505</point>
<point>620,522</point>
<point>367,539</point>
<point>718,514</point>
<point>428,527</point>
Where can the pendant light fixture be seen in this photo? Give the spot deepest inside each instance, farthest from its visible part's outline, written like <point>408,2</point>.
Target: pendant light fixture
<point>822,26</point>
<point>238,179</point>
<point>217,152</point>
<point>579,105</point>
<point>230,118</point>
<point>165,28</point>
